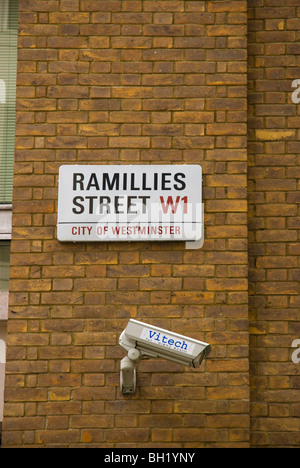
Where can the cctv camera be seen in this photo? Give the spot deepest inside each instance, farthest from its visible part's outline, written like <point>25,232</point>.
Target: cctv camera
<point>141,339</point>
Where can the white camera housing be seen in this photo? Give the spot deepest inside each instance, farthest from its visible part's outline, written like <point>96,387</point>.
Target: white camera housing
<point>141,339</point>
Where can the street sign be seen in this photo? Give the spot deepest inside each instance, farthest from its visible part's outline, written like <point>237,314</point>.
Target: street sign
<point>130,203</point>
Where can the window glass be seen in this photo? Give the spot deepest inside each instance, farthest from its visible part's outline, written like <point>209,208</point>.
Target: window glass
<point>2,368</point>
<point>4,265</point>
<point>8,69</point>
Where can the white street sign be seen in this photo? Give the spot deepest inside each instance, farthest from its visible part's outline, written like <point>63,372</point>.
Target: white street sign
<point>130,203</point>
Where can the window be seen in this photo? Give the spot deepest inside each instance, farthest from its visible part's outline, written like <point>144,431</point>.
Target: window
<point>8,70</point>
<point>4,279</point>
<point>4,265</point>
<point>2,368</point>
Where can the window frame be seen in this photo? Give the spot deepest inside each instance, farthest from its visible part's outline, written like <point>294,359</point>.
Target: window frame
<point>5,235</point>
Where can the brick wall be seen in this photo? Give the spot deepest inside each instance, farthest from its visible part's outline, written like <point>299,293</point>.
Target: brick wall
<point>274,220</point>
<point>139,82</point>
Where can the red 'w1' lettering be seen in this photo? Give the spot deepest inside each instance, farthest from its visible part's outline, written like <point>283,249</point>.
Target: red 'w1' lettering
<point>172,204</point>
